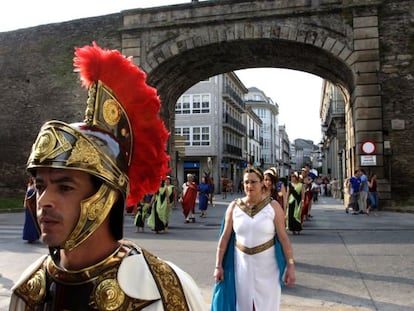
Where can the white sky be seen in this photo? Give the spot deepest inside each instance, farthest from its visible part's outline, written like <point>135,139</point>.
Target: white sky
<point>296,93</point>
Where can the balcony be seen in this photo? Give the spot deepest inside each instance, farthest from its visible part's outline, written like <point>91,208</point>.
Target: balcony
<point>233,150</point>
<point>231,94</point>
<point>233,123</point>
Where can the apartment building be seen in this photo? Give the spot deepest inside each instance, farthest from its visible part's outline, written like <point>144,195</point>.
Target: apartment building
<point>268,112</point>
<point>210,118</point>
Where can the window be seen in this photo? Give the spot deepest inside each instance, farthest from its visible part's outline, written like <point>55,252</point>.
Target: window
<point>186,104</point>
<point>201,136</point>
<point>196,103</point>
<point>205,136</point>
<point>178,107</point>
<point>205,104</point>
<point>195,136</point>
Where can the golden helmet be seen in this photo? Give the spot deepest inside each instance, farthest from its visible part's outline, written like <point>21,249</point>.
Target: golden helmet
<point>122,140</point>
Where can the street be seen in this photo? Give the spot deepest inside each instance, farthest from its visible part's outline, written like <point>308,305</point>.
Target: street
<point>343,261</point>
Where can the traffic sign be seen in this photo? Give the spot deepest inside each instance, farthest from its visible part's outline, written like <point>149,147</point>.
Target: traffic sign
<point>368,147</point>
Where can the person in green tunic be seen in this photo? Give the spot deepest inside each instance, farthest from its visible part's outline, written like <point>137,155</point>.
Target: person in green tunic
<point>296,197</point>
<point>160,214</point>
<point>142,209</point>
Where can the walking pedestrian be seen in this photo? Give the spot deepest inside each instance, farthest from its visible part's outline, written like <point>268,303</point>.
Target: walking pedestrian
<point>307,185</point>
<point>203,193</point>
<point>275,187</point>
<point>140,215</point>
<point>252,252</point>
<point>188,199</point>
<point>296,198</point>
<point>373,194</point>
<point>363,192</point>
<point>172,192</point>
<point>160,214</point>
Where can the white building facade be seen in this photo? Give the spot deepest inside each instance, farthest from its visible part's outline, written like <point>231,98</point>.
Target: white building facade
<point>268,112</point>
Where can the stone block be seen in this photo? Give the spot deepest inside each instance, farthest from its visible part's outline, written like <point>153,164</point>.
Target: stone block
<point>366,78</point>
<point>375,136</point>
<point>367,125</point>
<point>369,113</point>
<point>337,48</point>
<point>368,55</point>
<point>367,90</point>
<point>329,43</point>
<point>352,59</point>
<point>345,53</point>
<point>364,67</point>
<point>366,33</point>
<point>366,44</point>
<point>130,42</point>
<point>284,32</point>
<point>365,21</point>
<point>367,102</point>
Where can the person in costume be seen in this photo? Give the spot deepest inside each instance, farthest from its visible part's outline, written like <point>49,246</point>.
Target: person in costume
<point>204,191</point>
<point>188,199</point>
<point>252,252</point>
<point>140,215</point>
<point>85,174</point>
<point>172,192</point>
<point>160,214</point>
<point>274,187</point>
<point>304,213</point>
<point>296,198</point>
<point>30,227</point>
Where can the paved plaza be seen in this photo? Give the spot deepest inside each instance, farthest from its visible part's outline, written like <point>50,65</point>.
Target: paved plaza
<point>343,261</point>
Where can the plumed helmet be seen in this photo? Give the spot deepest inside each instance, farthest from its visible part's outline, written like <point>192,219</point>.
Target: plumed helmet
<point>122,140</point>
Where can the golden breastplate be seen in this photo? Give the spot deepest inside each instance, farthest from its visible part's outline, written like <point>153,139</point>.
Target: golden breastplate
<point>93,288</point>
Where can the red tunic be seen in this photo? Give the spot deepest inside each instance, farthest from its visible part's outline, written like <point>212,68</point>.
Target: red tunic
<point>189,198</point>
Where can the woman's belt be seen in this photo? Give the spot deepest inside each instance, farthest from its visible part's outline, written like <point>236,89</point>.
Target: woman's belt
<point>257,249</point>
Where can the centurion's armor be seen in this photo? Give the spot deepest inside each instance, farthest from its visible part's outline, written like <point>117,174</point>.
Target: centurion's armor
<point>122,143</point>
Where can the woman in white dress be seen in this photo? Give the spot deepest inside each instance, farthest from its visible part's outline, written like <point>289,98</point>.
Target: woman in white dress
<point>253,221</point>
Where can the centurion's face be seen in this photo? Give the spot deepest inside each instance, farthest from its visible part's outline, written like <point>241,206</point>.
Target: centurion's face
<point>59,195</point>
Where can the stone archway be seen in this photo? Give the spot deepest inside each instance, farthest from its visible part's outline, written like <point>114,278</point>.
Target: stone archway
<point>179,46</point>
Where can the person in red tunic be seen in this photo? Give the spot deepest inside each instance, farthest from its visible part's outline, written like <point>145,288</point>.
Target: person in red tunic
<point>307,200</point>
<point>188,199</point>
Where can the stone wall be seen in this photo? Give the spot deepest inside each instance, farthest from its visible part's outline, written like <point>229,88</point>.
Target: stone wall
<point>397,81</point>
<point>37,83</point>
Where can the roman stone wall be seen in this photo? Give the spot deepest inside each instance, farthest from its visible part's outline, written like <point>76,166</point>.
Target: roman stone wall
<point>37,83</point>
<point>397,92</point>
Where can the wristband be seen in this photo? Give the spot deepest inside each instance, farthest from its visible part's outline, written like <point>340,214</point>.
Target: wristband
<point>291,261</point>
